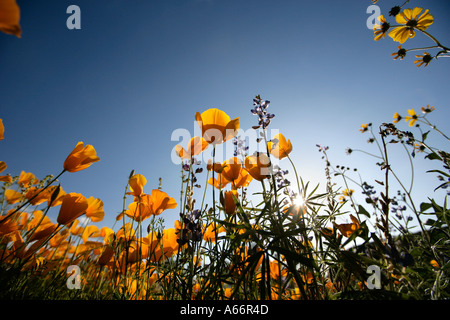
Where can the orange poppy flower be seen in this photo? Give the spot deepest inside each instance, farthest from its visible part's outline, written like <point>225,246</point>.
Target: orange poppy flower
<point>3,166</point>
<point>153,247</point>
<point>137,183</point>
<point>217,167</point>
<point>37,196</point>
<point>2,127</point>
<point>43,231</point>
<point>210,232</point>
<point>140,210</point>
<point>12,196</point>
<point>90,232</point>
<point>58,240</point>
<point>217,127</point>
<point>169,241</point>
<point>53,199</point>
<point>9,19</point>
<point>120,216</point>
<point>38,219</point>
<point>106,256</point>
<point>6,178</point>
<point>8,226</point>
<point>23,219</point>
<point>279,147</point>
<point>42,226</point>
<point>275,267</point>
<point>95,209</point>
<point>75,229</point>
<point>27,178</point>
<point>107,234</point>
<point>258,165</point>
<point>243,180</point>
<point>87,248</point>
<point>126,231</point>
<point>220,182</point>
<point>242,256</point>
<point>347,229</point>
<point>231,168</point>
<point>80,158</point>
<point>165,247</point>
<point>229,204</point>
<point>161,202</point>
<point>73,206</point>
<point>148,205</point>
<point>196,146</point>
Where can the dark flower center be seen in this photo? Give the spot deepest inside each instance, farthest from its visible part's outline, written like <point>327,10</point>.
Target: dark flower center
<point>401,52</point>
<point>427,58</point>
<point>412,23</point>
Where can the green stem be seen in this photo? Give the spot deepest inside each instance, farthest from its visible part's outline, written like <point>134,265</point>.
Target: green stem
<point>433,127</point>
<point>300,190</point>
<point>434,39</point>
<point>424,48</point>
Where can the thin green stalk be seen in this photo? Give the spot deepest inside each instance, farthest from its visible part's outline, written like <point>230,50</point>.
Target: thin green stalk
<point>300,190</point>
<point>204,192</point>
<point>434,39</point>
<point>433,127</point>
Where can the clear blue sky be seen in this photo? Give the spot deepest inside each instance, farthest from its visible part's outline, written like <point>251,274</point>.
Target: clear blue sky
<point>138,70</point>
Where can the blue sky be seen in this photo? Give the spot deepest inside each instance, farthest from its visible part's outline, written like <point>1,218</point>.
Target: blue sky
<point>138,70</point>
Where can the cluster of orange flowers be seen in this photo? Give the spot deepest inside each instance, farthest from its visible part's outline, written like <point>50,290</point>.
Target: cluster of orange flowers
<point>30,240</point>
<point>217,127</point>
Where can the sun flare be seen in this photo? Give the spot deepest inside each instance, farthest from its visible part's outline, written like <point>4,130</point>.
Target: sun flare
<point>299,201</point>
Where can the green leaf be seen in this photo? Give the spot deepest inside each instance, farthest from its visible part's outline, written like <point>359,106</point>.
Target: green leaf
<point>433,156</point>
<point>377,242</point>
<point>362,210</point>
<point>424,206</point>
<point>440,172</point>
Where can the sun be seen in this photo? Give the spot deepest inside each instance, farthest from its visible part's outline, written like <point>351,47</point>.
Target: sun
<point>299,201</point>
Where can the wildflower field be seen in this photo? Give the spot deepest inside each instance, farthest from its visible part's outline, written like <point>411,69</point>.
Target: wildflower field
<point>246,232</point>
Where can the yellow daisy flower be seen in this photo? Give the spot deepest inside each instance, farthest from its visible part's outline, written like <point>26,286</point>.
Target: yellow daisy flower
<point>411,20</point>
<point>401,53</point>
<point>427,109</point>
<point>364,127</point>
<point>424,59</point>
<point>380,30</point>
<point>412,118</point>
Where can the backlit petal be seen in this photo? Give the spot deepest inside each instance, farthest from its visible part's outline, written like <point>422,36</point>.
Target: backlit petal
<point>10,18</point>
